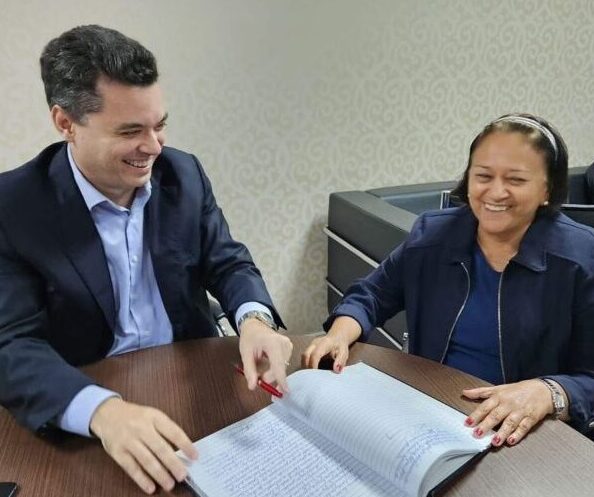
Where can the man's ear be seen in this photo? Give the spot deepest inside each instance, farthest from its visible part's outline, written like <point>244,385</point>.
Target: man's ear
<point>63,122</point>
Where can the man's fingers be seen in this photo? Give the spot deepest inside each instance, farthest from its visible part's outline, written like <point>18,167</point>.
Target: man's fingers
<point>135,471</point>
<point>165,453</point>
<point>249,369</point>
<point>257,341</point>
<point>277,373</point>
<point>151,464</point>
<point>142,440</point>
<point>172,432</point>
<point>279,369</point>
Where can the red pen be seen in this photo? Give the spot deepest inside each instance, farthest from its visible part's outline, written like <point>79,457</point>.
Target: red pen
<point>261,383</point>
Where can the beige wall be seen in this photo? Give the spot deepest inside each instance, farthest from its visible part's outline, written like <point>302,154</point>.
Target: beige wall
<point>285,101</point>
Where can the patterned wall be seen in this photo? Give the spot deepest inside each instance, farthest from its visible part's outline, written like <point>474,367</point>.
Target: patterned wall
<point>286,101</point>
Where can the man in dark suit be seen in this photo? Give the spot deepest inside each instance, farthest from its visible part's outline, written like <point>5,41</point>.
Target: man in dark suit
<point>108,243</point>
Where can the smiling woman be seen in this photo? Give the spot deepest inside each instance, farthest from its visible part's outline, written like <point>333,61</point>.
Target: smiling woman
<point>507,181</point>
<point>501,288</point>
<point>507,184</point>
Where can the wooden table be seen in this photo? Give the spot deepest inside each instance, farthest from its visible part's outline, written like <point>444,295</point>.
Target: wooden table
<point>194,383</point>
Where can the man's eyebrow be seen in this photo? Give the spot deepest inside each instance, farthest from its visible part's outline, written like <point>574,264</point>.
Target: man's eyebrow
<point>134,126</point>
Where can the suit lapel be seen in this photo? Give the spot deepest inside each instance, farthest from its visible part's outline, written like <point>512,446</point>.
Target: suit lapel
<point>162,233</point>
<point>80,238</point>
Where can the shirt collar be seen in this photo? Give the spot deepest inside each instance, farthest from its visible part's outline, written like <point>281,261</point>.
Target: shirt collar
<point>94,197</point>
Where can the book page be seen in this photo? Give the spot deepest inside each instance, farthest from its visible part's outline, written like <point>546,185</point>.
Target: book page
<point>389,426</point>
<point>272,454</point>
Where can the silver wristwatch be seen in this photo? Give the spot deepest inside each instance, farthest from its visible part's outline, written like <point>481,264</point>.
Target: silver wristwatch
<point>556,396</point>
<point>260,316</point>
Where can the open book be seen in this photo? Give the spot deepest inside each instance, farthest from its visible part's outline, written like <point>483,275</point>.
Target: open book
<point>358,433</point>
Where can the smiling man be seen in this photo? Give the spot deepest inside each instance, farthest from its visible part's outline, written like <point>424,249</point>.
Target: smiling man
<point>108,243</point>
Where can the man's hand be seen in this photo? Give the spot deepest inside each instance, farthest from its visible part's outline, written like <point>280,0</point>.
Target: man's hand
<point>518,407</point>
<point>257,341</point>
<point>142,440</point>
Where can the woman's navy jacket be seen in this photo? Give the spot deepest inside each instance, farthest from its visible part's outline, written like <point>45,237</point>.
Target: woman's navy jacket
<point>546,299</point>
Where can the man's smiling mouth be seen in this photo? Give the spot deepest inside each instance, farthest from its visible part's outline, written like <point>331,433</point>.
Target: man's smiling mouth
<point>138,164</point>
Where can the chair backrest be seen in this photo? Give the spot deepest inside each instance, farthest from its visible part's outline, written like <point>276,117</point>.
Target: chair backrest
<point>580,213</point>
<point>448,200</point>
<point>444,199</point>
<point>223,327</point>
<point>589,183</point>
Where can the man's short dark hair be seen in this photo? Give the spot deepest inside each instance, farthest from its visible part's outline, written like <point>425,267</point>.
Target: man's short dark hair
<point>72,63</point>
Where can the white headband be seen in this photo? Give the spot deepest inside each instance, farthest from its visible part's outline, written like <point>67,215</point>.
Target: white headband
<point>531,123</point>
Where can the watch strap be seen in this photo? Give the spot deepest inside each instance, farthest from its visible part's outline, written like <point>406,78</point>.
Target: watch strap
<point>260,316</point>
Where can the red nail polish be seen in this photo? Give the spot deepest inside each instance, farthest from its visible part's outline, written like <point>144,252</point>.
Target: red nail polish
<point>478,432</point>
<point>339,368</point>
<point>511,440</point>
<point>496,440</point>
<point>469,421</point>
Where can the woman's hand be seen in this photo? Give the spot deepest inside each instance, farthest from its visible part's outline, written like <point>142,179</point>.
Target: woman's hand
<point>518,407</point>
<point>344,331</point>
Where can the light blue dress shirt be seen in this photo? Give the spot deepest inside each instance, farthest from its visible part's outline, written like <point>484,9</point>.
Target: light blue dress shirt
<point>141,317</point>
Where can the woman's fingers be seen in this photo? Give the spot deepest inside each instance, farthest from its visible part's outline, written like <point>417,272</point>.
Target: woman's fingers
<point>516,408</point>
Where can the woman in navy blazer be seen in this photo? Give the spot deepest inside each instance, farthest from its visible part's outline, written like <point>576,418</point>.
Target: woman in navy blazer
<point>502,287</point>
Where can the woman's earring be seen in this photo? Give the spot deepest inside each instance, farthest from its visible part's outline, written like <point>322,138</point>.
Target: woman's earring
<point>545,203</point>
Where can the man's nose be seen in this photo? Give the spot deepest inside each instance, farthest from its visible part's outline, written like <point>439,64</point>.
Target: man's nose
<point>152,143</point>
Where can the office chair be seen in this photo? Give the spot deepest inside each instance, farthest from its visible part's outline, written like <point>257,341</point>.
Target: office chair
<point>446,200</point>
<point>589,183</point>
<point>580,213</point>
<point>224,329</point>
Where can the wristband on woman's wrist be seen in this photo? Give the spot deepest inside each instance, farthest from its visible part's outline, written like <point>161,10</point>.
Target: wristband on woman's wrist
<point>556,396</point>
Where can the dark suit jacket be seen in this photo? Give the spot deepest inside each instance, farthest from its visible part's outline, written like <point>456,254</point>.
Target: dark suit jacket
<point>57,308</point>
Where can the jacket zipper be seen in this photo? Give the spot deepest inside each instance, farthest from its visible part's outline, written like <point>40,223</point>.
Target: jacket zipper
<point>459,312</point>
<point>499,326</point>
